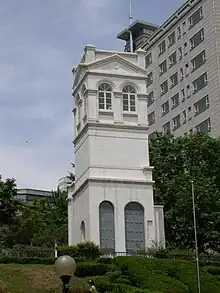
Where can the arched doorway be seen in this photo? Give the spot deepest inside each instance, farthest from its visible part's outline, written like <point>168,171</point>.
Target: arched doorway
<point>107,227</point>
<point>134,227</point>
<point>83,231</point>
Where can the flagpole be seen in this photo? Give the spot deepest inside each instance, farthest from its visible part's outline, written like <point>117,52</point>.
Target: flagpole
<point>130,22</point>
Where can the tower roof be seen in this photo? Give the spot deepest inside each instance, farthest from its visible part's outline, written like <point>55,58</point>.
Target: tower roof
<point>135,27</point>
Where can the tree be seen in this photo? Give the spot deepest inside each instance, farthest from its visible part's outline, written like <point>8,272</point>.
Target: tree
<point>176,162</point>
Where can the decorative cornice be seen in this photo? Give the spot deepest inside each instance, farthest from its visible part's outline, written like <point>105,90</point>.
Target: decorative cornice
<point>142,96</point>
<point>111,181</point>
<point>108,127</point>
<point>92,92</point>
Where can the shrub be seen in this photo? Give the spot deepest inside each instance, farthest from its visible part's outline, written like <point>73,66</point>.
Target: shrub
<point>105,260</point>
<point>213,270</point>
<point>86,269</point>
<point>113,275</point>
<point>166,275</point>
<point>28,260</point>
<point>84,250</point>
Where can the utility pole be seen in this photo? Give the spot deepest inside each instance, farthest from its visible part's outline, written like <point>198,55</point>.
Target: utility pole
<point>196,241</point>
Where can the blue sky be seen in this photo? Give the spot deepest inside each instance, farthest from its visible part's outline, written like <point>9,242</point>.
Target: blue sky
<point>41,41</point>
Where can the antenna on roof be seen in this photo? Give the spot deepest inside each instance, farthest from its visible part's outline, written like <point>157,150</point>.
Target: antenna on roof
<point>130,22</point>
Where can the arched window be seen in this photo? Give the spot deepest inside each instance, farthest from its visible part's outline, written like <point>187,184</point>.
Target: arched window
<point>83,231</point>
<point>107,227</point>
<point>84,99</point>
<point>134,227</point>
<point>105,96</point>
<point>129,97</point>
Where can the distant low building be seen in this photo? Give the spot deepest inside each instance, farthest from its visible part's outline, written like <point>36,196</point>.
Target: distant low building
<point>63,183</point>
<point>29,195</point>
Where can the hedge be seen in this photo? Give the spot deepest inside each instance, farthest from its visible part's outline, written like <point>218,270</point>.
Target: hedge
<point>28,260</point>
<point>84,250</point>
<point>86,269</point>
<point>166,275</point>
<point>103,285</point>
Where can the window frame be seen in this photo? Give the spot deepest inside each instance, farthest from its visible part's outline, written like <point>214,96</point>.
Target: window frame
<point>190,19</point>
<point>131,93</point>
<point>107,106</point>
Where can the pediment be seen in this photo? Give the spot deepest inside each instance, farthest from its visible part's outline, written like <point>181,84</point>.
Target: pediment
<point>116,64</point>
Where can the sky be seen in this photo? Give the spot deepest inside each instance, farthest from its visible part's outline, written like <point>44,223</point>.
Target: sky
<point>40,42</point>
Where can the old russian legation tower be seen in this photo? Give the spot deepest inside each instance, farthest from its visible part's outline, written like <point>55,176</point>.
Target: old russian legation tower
<point>111,202</point>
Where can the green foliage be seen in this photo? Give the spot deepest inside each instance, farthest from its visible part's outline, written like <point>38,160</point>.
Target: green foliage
<point>40,224</point>
<point>213,270</point>
<point>176,162</point>
<point>85,269</point>
<point>106,260</point>
<point>87,250</point>
<point>166,275</point>
<point>28,260</point>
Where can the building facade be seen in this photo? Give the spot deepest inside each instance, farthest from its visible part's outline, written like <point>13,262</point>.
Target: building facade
<point>111,202</point>
<point>183,71</point>
<point>30,195</point>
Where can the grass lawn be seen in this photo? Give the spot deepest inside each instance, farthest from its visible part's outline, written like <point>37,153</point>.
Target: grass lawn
<point>15,278</point>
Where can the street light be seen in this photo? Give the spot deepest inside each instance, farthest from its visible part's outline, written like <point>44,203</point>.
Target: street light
<point>65,267</point>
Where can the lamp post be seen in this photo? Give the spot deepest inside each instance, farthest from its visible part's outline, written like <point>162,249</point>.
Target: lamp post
<point>196,241</point>
<point>65,267</point>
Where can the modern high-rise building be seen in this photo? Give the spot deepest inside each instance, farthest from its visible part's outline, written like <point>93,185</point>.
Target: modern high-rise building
<point>183,69</point>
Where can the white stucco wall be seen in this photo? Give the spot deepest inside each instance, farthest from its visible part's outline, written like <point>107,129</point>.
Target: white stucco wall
<point>111,147</point>
<point>119,194</point>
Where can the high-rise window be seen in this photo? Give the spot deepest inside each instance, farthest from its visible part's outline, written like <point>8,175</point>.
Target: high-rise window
<point>163,67</point>
<point>172,59</point>
<point>204,126</point>
<point>174,80</point>
<point>166,128</point>
<point>197,39</point>
<point>171,39</point>
<point>198,61</point>
<point>149,79</point>
<point>164,87</point>
<point>195,18</point>
<point>200,83</point>
<point>176,122</point>
<point>201,105</point>
<point>165,108</point>
<point>150,98</point>
<point>148,60</point>
<point>162,47</point>
<point>175,101</point>
<point>151,118</point>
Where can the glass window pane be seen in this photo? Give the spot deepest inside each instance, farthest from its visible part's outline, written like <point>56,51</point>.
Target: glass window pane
<point>101,106</point>
<point>125,107</point>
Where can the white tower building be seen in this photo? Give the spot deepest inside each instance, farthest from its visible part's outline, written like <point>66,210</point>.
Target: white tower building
<point>111,202</point>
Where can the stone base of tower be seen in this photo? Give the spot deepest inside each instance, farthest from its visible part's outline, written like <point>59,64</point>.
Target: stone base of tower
<point>118,215</point>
